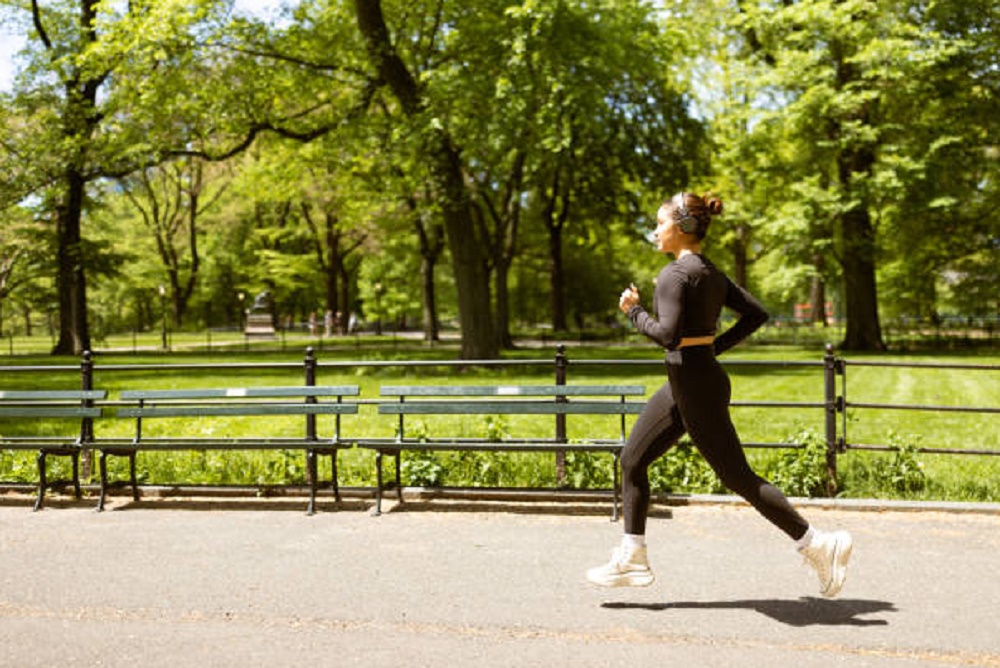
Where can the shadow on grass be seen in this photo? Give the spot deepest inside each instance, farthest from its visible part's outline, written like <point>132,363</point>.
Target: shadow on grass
<point>806,611</point>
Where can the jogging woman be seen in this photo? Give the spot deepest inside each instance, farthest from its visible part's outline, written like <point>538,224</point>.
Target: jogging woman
<point>690,293</point>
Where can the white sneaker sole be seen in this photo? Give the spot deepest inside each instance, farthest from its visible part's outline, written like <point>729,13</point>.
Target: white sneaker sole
<point>633,579</point>
<point>841,556</point>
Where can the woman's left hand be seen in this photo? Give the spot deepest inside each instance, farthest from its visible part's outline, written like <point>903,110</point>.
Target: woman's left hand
<point>629,298</point>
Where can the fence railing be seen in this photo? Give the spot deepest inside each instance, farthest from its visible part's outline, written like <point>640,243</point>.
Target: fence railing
<point>833,376</point>
<point>846,443</point>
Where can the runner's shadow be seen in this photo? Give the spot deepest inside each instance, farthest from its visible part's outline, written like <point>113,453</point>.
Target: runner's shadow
<point>807,611</point>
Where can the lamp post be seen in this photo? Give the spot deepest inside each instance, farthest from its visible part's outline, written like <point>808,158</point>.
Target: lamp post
<point>163,316</point>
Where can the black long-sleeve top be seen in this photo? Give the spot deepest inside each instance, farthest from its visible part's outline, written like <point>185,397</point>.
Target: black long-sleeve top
<point>690,294</point>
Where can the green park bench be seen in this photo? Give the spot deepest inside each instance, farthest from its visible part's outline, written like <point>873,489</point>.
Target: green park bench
<point>18,408</point>
<point>501,400</point>
<point>228,402</point>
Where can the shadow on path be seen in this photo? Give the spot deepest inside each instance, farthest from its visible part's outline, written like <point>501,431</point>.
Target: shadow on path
<point>564,508</point>
<point>807,611</point>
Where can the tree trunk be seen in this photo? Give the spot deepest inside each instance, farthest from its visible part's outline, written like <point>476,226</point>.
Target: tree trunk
<point>185,293</point>
<point>506,341</point>
<point>74,334</point>
<point>432,328</point>
<point>860,296</point>
<point>79,120</point>
<point>450,189</point>
<point>344,296</point>
<point>333,265</point>
<point>507,220</point>
<point>554,223</point>
<point>817,293</point>
<point>431,245</point>
<point>855,163</point>
<point>557,280</point>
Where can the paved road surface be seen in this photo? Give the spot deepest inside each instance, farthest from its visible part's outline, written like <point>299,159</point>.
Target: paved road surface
<point>167,583</point>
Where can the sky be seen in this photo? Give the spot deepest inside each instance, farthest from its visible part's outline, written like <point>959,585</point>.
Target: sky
<point>11,42</point>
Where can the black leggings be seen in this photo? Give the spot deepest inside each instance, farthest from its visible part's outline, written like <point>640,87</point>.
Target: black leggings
<point>696,400</point>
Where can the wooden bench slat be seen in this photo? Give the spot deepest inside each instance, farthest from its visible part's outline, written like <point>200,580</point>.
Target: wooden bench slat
<point>509,390</point>
<point>503,446</point>
<point>51,395</point>
<point>40,443</point>
<point>245,392</point>
<point>509,408</point>
<point>152,444</point>
<point>195,410</point>
<point>50,411</point>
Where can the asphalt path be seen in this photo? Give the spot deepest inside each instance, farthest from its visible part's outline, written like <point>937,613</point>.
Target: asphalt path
<point>172,582</point>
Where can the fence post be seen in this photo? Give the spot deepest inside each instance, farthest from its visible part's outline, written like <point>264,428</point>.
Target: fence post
<point>86,424</point>
<point>310,365</point>
<point>561,364</point>
<point>830,401</point>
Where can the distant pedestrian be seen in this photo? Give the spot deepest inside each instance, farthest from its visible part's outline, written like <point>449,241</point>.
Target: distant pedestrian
<point>690,293</point>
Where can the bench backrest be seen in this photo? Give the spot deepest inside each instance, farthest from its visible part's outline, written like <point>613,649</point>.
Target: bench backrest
<point>236,401</point>
<point>510,390</point>
<point>51,403</point>
<point>288,392</point>
<point>475,399</point>
<point>232,401</point>
<point>510,400</point>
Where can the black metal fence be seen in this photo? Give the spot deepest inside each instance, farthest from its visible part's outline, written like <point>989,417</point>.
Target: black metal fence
<point>832,372</point>
<point>844,442</point>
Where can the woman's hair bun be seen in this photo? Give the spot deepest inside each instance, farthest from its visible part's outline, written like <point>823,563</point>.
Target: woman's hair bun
<point>713,204</point>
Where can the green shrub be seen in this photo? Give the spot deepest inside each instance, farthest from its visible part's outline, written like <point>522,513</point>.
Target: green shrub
<point>495,429</point>
<point>588,470</point>
<point>422,469</point>
<point>683,469</point>
<point>801,471</point>
<point>904,472</point>
<point>901,473</point>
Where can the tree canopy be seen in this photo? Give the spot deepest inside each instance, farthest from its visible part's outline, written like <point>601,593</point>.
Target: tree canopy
<point>493,163</point>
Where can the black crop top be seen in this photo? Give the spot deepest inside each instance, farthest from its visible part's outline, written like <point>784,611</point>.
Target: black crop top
<point>690,293</point>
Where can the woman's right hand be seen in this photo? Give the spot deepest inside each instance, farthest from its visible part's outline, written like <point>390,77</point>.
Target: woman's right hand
<point>629,298</point>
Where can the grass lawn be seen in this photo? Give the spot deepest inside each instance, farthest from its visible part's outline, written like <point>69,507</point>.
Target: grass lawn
<point>346,362</point>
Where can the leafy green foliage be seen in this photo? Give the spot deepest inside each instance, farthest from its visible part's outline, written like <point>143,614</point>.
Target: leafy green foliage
<point>802,471</point>
<point>684,470</point>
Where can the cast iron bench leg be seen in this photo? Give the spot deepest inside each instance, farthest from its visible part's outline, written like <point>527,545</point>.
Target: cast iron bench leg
<point>336,482</point>
<point>42,482</point>
<point>104,481</point>
<point>76,475</point>
<point>617,463</point>
<point>131,467</point>
<point>399,481</point>
<point>311,467</point>
<point>378,484</point>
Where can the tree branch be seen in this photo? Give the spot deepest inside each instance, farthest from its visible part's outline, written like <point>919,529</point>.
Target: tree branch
<point>36,18</point>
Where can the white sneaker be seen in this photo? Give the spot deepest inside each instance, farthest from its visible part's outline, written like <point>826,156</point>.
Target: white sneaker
<point>628,568</point>
<point>829,553</point>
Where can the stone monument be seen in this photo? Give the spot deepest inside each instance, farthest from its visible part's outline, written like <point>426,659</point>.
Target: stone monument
<point>260,317</point>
